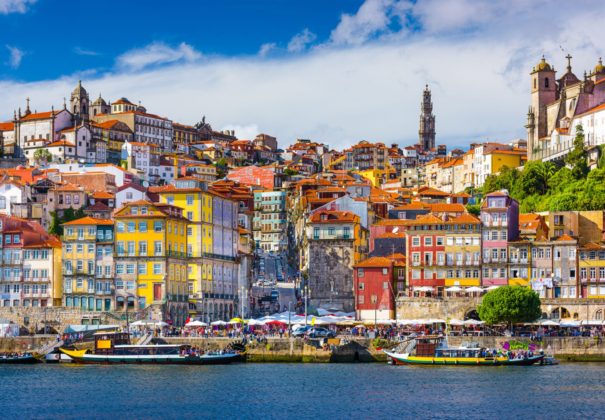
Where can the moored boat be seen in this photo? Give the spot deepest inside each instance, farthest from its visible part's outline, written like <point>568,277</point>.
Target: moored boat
<point>434,350</point>
<point>19,359</point>
<point>114,348</point>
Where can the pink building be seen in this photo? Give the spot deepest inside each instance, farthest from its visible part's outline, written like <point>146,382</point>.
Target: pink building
<point>500,220</point>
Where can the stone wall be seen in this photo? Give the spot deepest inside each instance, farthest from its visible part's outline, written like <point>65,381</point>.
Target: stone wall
<point>331,274</point>
<point>459,308</point>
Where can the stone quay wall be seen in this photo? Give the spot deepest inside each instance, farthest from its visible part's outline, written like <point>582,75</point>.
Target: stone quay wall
<point>461,307</point>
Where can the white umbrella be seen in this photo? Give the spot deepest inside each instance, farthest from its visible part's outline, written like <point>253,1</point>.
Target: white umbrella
<point>196,324</point>
<point>492,287</point>
<point>255,322</point>
<point>454,289</point>
<point>456,322</point>
<point>592,322</point>
<point>474,289</point>
<point>218,323</point>
<point>549,323</point>
<point>473,322</point>
<point>423,289</point>
<point>570,324</point>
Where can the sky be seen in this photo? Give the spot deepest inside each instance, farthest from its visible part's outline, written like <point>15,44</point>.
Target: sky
<point>335,71</point>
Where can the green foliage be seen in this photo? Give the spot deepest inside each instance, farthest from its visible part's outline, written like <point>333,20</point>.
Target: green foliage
<point>55,224</point>
<point>221,168</point>
<point>511,305</point>
<point>68,215</point>
<point>577,157</point>
<point>43,156</point>
<point>474,209</point>
<point>601,163</point>
<point>290,172</point>
<point>542,186</point>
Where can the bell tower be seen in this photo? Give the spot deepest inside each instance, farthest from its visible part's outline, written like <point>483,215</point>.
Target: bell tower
<point>80,103</point>
<point>543,92</point>
<point>426,133</point>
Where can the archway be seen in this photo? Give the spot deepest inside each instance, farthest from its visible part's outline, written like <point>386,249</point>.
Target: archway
<point>472,314</point>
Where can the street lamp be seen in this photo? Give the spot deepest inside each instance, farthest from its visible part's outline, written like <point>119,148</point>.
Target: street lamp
<point>307,292</point>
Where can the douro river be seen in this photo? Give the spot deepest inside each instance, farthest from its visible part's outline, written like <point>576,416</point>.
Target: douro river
<point>284,391</point>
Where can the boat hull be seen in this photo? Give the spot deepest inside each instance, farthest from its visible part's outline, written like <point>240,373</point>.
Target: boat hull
<point>404,359</point>
<point>25,360</point>
<point>83,357</point>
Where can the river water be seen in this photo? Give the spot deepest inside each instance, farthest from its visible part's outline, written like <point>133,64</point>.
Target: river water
<point>282,391</point>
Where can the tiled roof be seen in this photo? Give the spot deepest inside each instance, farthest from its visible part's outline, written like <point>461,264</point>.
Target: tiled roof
<point>61,143</point>
<point>89,221</point>
<point>332,216</point>
<point>374,262</point>
<point>7,126</point>
<point>39,116</point>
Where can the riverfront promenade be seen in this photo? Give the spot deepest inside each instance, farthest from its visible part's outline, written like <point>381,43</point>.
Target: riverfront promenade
<point>343,350</point>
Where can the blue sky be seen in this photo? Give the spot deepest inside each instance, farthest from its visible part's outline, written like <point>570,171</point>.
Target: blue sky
<point>336,71</point>
<point>90,35</point>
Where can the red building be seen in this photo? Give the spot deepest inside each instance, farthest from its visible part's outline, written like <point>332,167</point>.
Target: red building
<point>268,177</point>
<point>376,282</point>
<point>425,238</point>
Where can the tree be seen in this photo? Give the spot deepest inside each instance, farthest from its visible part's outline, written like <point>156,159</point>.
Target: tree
<point>510,304</point>
<point>577,157</point>
<point>42,156</point>
<point>474,209</point>
<point>55,224</point>
<point>290,172</point>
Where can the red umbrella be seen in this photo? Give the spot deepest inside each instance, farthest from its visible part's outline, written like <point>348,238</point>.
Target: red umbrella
<point>276,323</point>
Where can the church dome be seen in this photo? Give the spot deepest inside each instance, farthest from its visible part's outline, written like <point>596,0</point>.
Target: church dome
<point>599,68</point>
<point>99,101</point>
<point>79,90</point>
<point>543,65</point>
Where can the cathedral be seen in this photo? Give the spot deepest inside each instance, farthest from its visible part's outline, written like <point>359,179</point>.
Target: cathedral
<point>426,133</point>
<point>558,106</point>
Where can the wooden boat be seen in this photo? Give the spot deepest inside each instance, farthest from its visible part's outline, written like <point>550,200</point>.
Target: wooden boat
<point>24,359</point>
<point>434,350</point>
<point>114,348</point>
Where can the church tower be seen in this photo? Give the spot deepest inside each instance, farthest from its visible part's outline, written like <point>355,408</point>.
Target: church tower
<point>426,133</point>
<point>80,103</point>
<point>543,92</point>
<point>99,107</point>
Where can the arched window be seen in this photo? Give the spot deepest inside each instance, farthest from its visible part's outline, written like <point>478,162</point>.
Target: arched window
<point>546,82</point>
<point>535,83</point>
<point>599,314</point>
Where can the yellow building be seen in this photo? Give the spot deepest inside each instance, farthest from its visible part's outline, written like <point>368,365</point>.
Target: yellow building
<point>188,193</point>
<point>151,257</point>
<point>497,159</point>
<point>592,270</point>
<point>462,251</point>
<point>88,264</point>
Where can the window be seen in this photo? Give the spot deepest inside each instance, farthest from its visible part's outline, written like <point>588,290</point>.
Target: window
<point>120,226</point>
<point>131,227</point>
<point>316,233</point>
<point>440,241</point>
<point>157,248</point>
<point>143,248</point>
<point>415,241</point>
<point>189,200</point>
<point>157,268</point>
<point>142,227</point>
<point>361,285</point>
<point>428,241</point>
<point>158,226</point>
<point>331,231</point>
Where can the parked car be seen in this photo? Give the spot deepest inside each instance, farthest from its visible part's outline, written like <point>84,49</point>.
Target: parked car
<point>318,332</point>
<point>301,331</point>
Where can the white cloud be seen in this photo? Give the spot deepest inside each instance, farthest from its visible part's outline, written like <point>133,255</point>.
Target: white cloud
<point>244,132</point>
<point>83,51</point>
<point>266,49</point>
<point>157,53</point>
<point>15,56</point>
<point>372,18</point>
<point>477,69</point>
<point>14,6</point>
<point>300,41</point>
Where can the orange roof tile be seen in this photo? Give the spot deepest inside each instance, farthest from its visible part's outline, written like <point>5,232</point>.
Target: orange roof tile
<point>89,221</point>
<point>7,126</point>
